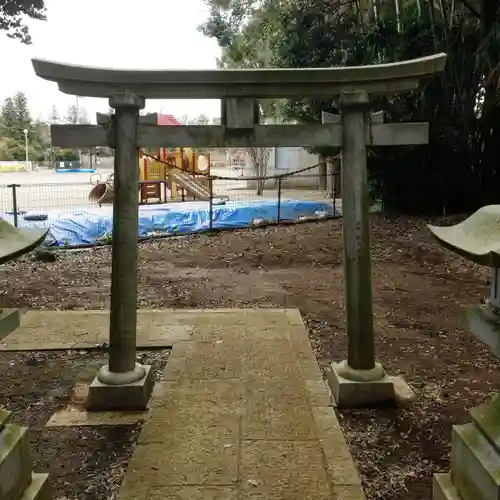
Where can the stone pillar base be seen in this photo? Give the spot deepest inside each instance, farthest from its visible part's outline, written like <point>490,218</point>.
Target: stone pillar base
<point>475,458</point>
<point>351,388</point>
<point>475,467</point>
<point>17,481</point>
<point>133,396</point>
<point>475,447</point>
<point>10,319</point>
<point>39,488</point>
<point>443,489</point>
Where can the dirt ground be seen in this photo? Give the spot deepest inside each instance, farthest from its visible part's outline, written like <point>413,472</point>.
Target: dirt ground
<point>82,462</point>
<point>418,290</point>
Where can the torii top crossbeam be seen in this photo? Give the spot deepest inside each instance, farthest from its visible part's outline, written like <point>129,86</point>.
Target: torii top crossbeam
<point>246,83</point>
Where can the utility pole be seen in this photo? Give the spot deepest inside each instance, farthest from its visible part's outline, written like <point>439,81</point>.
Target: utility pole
<point>25,131</point>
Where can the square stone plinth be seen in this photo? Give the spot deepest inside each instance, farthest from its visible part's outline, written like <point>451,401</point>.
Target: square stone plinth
<point>126,397</point>
<point>4,417</point>
<point>349,393</point>
<point>10,319</point>
<point>443,489</point>
<point>15,462</point>
<point>475,464</point>
<point>38,489</point>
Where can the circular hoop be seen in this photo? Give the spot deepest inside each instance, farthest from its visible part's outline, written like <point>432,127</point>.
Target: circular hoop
<point>202,163</point>
<point>92,176</point>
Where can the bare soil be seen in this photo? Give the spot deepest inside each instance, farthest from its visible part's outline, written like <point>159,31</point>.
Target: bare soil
<point>85,463</point>
<point>418,291</point>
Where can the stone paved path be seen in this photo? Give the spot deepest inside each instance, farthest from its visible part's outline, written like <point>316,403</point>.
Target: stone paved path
<point>47,330</point>
<point>243,414</point>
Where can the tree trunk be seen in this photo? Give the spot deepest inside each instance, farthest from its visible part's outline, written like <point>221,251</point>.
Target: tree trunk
<point>334,179</point>
<point>323,174</point>
<point>260,160</point>
<point>337,178</point>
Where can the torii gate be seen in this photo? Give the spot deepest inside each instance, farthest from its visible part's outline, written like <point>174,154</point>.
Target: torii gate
<point>124,384</point>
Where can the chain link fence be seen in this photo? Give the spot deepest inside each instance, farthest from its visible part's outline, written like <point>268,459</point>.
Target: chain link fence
<point>219,206</point>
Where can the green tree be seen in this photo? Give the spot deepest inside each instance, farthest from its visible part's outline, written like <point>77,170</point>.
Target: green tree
<point>244,31</point>
<point>15,118</point>
<point>463,105</point>
<point>10,149</point>
<point>8,117</point>
<point>13,16</point>
<point>23,117</point>
<point>65,155</point>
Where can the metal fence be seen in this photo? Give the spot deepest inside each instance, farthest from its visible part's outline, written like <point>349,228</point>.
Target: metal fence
<point>21,202</point>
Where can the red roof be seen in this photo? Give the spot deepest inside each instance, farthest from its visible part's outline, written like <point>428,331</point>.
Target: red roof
<point>167,120</point>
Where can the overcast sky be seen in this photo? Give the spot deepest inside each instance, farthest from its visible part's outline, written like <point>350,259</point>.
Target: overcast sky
<point>149,34</point>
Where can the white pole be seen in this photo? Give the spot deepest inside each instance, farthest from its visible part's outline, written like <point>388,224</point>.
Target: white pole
<point>26,148</point>
<point>77,121</point>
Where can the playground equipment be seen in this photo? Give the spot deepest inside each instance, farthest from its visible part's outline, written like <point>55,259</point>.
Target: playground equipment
<point>168,175</point>
<point>178,172</point>
<point>165,174</point>
<point>103,191</point>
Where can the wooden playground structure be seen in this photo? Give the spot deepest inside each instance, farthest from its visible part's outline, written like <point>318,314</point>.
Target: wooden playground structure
<point>165,175</point>
<point>173,175</point>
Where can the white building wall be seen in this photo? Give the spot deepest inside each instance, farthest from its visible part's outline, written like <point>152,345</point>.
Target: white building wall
<point>287,160</point>
<point>291,159</point>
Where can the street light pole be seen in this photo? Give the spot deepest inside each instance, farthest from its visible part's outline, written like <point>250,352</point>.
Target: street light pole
<point>26,147</point>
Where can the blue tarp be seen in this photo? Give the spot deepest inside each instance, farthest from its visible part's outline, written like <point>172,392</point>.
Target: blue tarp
<point>75,170</point>
<point>93,226</point>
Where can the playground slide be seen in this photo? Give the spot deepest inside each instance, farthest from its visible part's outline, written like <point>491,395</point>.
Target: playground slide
<point>103,192</point>
<point>191,185</point>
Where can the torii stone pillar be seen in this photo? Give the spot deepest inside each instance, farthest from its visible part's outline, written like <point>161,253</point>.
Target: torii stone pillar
<point>125,385</point>
<point>360,379</point>
<point>356,229</point>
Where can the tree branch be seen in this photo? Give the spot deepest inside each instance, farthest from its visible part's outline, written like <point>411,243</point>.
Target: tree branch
<point>13,14</point>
